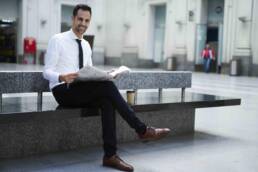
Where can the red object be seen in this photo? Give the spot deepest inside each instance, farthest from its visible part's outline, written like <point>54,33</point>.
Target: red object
<point>29,45</point>
<point>208,53</point>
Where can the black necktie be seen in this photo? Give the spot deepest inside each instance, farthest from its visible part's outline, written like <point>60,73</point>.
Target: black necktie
<point>80,53</point>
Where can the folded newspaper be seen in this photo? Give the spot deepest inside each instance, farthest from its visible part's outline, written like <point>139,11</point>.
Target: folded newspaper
<point>116,72</point>
<point>91,73</point>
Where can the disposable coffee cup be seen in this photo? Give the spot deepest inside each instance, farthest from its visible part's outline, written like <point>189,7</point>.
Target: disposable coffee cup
<point>130,97</point>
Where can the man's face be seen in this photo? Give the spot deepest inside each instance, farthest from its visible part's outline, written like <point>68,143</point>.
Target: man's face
<point>81,21</point>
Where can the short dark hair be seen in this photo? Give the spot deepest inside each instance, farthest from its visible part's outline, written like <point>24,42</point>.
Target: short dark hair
<point>83,7</point>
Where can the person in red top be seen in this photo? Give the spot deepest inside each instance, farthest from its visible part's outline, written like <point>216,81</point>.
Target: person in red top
<point>207,55</point>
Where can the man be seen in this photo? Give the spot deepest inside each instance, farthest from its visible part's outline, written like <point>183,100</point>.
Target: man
<point>68,52</point>
<point>207,55</point>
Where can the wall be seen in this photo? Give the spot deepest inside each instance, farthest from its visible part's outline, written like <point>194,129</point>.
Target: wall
<point>242,37</point>
<point>191,31</point>
<point>242,45</point>
<point>114,26</point>
<point>213,17</point>
<point>180,27</point>
<point>98,28</point>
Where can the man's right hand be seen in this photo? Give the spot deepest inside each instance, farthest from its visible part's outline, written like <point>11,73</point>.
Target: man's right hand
<point>68,78</point>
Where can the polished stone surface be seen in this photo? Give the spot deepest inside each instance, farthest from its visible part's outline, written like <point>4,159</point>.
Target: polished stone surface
<point>146,101</point>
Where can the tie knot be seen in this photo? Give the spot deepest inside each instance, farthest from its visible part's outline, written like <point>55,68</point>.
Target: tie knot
<point>78,41</point>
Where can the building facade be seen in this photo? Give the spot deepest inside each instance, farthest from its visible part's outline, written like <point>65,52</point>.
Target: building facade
<point>145,33</point>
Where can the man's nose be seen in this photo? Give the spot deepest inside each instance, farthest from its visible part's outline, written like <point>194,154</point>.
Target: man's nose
<point>84,23</point>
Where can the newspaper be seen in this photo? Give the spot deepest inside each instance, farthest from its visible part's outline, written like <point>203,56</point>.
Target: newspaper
<point>91,73</point>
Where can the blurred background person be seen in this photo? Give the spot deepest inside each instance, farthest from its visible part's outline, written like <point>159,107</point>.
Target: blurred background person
<point>207,55</point>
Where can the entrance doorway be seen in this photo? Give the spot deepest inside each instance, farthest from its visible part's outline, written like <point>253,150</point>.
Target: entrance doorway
<point>210,31</point>
<point>212,39</point>
<point>159,33</point>
<point>8,36</point>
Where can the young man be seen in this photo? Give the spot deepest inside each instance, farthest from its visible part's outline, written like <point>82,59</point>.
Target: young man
<point>68,52</point>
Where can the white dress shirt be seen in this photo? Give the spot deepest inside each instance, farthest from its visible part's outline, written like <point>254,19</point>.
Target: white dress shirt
<point>62,56</point>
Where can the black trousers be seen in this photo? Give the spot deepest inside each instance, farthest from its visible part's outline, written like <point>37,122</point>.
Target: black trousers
<point>106,96</point>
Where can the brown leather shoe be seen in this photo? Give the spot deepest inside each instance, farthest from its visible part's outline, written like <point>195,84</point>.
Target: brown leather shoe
<point>154,133</point>
<point>117,163</point>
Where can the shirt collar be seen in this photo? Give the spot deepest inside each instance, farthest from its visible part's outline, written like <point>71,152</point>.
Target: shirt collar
<point>73,36</point>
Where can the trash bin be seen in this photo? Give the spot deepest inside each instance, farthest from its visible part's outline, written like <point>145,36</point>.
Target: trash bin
<point>235,67</point>
<point>169,65</point>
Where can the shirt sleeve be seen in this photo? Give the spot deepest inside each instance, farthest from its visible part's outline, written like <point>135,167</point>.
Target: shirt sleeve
<point>90,59</point>
<point>89,54</point>
<point>211,54</point>
<point>51,59</point>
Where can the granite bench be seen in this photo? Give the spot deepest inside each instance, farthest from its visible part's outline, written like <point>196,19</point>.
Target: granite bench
<point>32,125</point>
<point>27,82</point>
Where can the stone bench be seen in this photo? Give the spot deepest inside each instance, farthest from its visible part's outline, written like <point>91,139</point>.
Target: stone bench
<point>30,126</point>
<point>27,82</point>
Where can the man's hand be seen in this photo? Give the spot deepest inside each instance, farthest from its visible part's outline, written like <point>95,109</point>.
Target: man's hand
<point>68,78</point>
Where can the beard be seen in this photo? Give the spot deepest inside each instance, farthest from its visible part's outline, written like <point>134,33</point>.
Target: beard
<point>81,29</point>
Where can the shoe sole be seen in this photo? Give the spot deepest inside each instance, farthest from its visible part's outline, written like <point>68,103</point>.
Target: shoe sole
<point>154,139</point>
<point>115,167</point>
